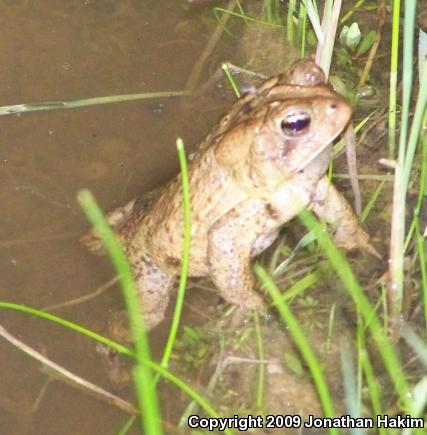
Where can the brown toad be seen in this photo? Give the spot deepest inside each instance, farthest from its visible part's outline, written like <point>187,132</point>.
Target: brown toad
<point>263,164</point>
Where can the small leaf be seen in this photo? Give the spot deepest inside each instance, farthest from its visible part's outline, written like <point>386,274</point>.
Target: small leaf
<point>367,42</point>
<point>343,35</point>
<point>353,36</point>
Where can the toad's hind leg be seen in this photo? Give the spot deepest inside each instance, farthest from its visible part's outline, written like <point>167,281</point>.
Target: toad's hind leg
<point>154,286</point>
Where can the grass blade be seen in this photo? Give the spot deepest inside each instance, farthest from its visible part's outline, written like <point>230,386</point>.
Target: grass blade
<point>145,388</point>
<point>344,272</point>
<point>302,344</point>
<point>185,255</point>
<point>61,105</point>
<point>178,382</point>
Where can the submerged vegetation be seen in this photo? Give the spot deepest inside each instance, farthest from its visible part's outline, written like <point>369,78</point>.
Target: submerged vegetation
<point>380,346</point>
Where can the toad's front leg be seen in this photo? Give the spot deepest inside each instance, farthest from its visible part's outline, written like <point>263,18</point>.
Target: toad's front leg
<point>233,240</point>
<point>330,205</point>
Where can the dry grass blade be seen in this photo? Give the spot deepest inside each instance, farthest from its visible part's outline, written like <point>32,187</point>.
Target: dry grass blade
<point>194,77</point>
<point>98,291</point>
<point>350,149</point>
<point>375,45</point>
<point>325,45</point>
<point>86,102</point>
<point>65,375</point>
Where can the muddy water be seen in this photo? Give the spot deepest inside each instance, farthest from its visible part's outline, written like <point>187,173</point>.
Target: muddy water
<point>59,51</point>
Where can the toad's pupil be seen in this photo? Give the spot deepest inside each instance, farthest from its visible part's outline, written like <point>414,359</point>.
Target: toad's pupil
<point>295,124</point>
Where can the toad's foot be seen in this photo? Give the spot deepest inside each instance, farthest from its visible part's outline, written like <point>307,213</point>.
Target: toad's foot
<point>352,237</point>
<point>114,366</point>
<point>330,205</point>
<point>116,219</point>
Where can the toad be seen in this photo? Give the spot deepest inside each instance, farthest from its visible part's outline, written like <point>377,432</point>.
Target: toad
<point>262,164</point>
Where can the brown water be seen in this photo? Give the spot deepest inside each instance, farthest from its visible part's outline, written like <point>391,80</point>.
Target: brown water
<point>59,51</point>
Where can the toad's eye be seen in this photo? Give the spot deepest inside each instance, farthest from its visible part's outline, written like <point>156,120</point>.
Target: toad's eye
<point>295,123</point>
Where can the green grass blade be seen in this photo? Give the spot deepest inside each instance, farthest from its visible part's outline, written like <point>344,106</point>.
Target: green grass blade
<point>301,342</point>
<point>305,241</point>
<point>407,77</point>
<point>300,286</point>
<point>230,79</point>
<point>420,108</point>
<point>374,389</point>
<point>303,27</point>
<point>403,167</point>
<point>145,388</point>
<point>268,8</point>
<point>350,391</point>
<point>290,21</point>
<point>423,267</point>
<point>313,15</point>
<point>248,18</point>
<point>182,385</point>
<point>344,272</point>
<point>372,201</point>
<point>68,324</point>
<point>419,392</point>
<point>185,255</point>
<point>392,111</point>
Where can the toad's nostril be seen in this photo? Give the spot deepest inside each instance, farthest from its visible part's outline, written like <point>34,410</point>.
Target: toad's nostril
<point>333,106</point>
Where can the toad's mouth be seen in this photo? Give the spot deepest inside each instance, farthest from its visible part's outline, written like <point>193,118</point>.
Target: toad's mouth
<point>312,157</point>
<point>314,154</point>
